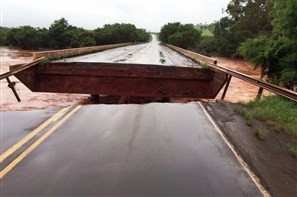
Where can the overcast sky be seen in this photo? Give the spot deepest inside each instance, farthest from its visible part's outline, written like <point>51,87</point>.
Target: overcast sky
<point>90,14</point>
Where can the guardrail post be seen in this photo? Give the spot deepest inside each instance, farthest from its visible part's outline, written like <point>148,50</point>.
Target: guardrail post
<point>11,86</point>
<point>260,93</point>
<point>226,87</point>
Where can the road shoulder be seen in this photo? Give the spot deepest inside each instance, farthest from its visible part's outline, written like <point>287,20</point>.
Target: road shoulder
<point>269,159</point>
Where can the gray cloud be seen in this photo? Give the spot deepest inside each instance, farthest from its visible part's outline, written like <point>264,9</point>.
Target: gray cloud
<point>90,14</point>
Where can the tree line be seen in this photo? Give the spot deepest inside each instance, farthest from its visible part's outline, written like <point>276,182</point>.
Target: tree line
<point>62,35</point>
<point>261,31</point>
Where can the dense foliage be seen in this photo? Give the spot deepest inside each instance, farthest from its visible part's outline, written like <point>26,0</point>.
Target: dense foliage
<point>61,34</point>
<point>185,36</point>
<point>117,33</point>
<point>262,31</point>
<point>276,54</point>
<point>246,19</point>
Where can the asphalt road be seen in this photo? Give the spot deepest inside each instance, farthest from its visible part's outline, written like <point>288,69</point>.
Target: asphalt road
<point>131,150</point>
<point>148,53</point>
<point>16,125</point>
<point>155,149</point>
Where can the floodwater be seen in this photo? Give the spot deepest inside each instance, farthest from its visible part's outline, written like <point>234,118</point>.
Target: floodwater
<point>149,53</point>
<point>240,90</point>
<point>30,100</point>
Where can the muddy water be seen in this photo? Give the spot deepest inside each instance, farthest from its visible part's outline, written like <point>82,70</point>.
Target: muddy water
<point>30,100</point>
<point>240,90</point>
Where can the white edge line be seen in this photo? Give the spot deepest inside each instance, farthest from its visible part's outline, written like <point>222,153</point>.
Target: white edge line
<point>239,158</point>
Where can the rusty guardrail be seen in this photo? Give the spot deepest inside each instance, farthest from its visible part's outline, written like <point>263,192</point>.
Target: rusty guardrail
<point>54,54</point>
<point>15,71</point>
<point>212,63</point>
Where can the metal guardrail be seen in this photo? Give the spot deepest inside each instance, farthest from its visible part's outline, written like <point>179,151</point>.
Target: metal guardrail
<point>20,68</point>
<point>260,83</point>
<point>212,63</point>
<point>15,71</point>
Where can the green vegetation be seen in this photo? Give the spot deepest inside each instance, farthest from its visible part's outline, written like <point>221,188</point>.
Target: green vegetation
<point>61,35</point>
<point>184,36</point>
<point>263,32</point>
<point>292,148</point>
<point>207,33</point>
<point>120,33</point>
<point>246,19</point>
<point>277,112</point>
<point>205,29</point>
<point>260,133</point>
<point>246,114</point>
<point>3,35</point>
<point>276,54</point>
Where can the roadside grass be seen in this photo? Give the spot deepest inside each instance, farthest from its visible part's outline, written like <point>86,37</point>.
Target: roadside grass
<point>246,114</point>
<point>292,148</point>
<point>260,133</point>
<point>278,112</point>
<point>206,32</point>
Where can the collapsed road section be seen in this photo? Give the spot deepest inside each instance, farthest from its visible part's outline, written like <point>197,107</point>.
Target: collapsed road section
<point>125,150</point>
<point>86,75</point>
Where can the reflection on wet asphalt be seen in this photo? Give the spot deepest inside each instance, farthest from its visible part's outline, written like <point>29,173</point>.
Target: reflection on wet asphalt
<point>15,125</point>
<point>132,150</point>
<point>148,53</point>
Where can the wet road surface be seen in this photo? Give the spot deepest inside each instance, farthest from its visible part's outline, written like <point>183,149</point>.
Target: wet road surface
<point>131,150</point>
<point>148,53</point>
<point>16,125</point>
<point>121,150</point>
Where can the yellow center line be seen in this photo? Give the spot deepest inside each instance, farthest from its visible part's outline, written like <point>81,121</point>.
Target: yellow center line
<point>36,144</point>
<point>28,137</point>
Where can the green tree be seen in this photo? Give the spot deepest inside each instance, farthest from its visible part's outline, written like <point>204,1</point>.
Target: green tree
<point>277,54</point>
<point>25,37</point>
<point>142,35</point>
<point>120,33</point>
<point>207,46</point>
<point>44,38</point>
<point>63,35</point>
<point>168,30</point>
<point>81,38</point>
<point>247,19</point>
<point>224,37</point>
<point>3,36</point>
<point>185,36</point>
<point>58,34</point>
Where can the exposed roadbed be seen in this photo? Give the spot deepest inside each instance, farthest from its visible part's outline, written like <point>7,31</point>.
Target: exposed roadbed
<point>269,159</point>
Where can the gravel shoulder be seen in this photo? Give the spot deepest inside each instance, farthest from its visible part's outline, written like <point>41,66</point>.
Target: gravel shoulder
<point>269,159</point>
